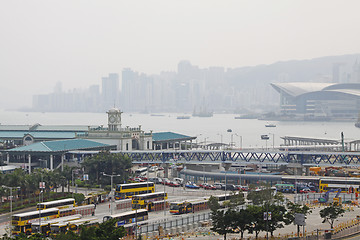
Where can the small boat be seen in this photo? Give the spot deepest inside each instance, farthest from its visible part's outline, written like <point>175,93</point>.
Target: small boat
<point>229,130</point>
<point>270,125</point>
<point>183,117</point>
<point>265,137</point>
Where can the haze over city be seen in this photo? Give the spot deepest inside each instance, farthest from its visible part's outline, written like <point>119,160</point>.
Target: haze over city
<point>78,43</point>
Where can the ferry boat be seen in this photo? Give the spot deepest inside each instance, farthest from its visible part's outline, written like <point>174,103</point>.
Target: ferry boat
<point>183,117</point>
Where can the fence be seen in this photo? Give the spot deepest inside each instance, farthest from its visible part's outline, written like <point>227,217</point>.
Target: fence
<point>181,224</point>
<point>310,197</point>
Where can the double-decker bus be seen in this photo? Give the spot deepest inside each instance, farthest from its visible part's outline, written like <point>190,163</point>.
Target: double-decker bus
<point>44,226</point>
<point>62,203</point>
<point>146,201</point>
<point>72,225</point>
<point>128,217</point>
<point>347,185</point>
<point>21,222</point>
<point>188,206</point>
<point>127,190</point>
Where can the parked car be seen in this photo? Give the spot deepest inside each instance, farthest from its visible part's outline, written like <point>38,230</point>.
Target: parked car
<point>229,187</point>
<point>179,180</point>
<point>191,185</point>
<point>156,180</point>
<point>306,190</point>
<point>174,184</point>
<point>218,185</point>
<point>209,187</point>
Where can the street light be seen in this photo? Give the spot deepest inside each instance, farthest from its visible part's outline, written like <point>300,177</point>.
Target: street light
<point>205,142</point>
<point>111,188</point>
<point>240,140</point>
<point>197,140</point>
<point>221,139</point>
<point>11,197</point>
<point>273,138</point>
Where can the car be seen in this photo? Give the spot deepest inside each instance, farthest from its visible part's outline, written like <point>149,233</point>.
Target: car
<point>156,180</point>
<point>229,187</point>
<point>306,190</point>
<point>209,187</point>
<point>174,184</point>
<point>218,185</point>
<point>191,185</point>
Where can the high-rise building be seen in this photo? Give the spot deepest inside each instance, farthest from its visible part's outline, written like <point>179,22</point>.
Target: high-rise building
<point>110,91</point>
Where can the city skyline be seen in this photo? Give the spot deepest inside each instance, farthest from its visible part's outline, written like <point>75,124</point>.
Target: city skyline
<point>79,42</point>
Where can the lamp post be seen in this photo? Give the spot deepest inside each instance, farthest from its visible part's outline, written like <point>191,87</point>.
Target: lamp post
<point>11,197</point>
<point>205,142</point>
<point>221,140</point>
<point>111,189</point>
<point>197,140</point>
<point>240,140</point>
<point>231,141</point>
<point>273,138</point>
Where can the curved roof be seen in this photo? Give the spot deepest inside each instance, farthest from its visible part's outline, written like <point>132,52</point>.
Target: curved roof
<point>297,89</point>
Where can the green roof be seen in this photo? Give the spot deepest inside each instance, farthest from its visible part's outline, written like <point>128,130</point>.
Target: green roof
<point>38,135</point>
<point>61,146</point>
<point>39,127</point>
<point>168,136</point>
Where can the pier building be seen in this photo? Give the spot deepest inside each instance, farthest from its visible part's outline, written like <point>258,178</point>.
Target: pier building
<point>319,101</point>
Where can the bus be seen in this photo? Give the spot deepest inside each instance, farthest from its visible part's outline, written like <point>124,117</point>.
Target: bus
<point>44,226</point>
<point>140,170</point>
<point>189,206</point>
<point>127,190</point>
<point>72,225</point>
<point>62,203</point>
<point>128,217</point>
<point>285,188</point>
<point>21,222</point>
<point>347,185</point>
<point>84,210</point>
<point>145,201</point>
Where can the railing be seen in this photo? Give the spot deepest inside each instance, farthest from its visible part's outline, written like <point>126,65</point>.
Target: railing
<point>173,223</point>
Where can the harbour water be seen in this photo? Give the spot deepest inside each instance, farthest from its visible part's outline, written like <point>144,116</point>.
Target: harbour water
<point>244,133</point>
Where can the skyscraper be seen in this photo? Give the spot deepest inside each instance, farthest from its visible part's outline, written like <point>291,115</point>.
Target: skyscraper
<point>110,91</point>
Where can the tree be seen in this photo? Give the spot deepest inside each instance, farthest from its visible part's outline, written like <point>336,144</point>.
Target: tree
<point>236,199</point>
<point>331,213</point>
<point>242,221</point>
<point>222,221</point>
<point>108,163</point>
<point>260,197</point>
<point>294,208</point>
<point>277,217</point>
<point>257,223</point>
<point>213,204</point>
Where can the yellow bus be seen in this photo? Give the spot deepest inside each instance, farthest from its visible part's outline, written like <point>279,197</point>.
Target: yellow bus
<point>127,190</point>
<point>62,203</point>
<point>44,226</point>
<point>146,201</point>
<point>347,185</point>
<point>128,217</point>
<point>21,222</point>
<point>72,225</point>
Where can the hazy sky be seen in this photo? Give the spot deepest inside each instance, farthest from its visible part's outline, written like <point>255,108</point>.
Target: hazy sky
<point>79,41</point>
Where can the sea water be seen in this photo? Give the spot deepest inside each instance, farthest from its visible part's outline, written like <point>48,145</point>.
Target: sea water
<point>244,133</point>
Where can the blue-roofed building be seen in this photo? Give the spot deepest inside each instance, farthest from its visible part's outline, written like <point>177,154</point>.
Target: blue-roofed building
<point>52,153</point>
<point>167,140</point>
